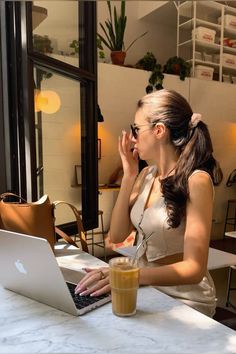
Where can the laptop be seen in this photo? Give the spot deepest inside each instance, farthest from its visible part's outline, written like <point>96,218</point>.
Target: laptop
<point>29,267</point>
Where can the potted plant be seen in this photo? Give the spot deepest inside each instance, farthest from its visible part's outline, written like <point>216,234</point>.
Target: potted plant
<point>114,31</point>
<point>101,53</point>
<point>42,44</point>
<point>177,66</point>
<point>149,63</point>
<point>75,46</point>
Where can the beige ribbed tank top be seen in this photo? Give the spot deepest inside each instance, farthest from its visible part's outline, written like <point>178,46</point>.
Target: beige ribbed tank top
<point>152,221</point>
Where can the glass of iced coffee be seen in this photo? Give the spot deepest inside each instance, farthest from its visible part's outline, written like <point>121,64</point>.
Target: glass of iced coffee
<point>124,282</point>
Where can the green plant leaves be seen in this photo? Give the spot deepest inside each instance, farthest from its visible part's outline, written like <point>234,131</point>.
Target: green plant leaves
<point>114,32</point>
<point>148,62</point>
<point>177,66</point>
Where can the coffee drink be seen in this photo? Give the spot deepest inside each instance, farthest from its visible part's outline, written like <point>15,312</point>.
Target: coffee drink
<point>124,281</point>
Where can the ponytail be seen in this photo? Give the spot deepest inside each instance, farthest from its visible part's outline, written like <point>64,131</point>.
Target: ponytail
<point>195,154</point>
<point>191,138</point>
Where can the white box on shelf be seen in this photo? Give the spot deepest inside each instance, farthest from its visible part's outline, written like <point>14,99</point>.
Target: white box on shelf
<point>204,34</point>
<point>234,79</point>
<point>198,55</point>
<point>226,78</point>
<point>203,72</point>
<point>227,59</point>
<point>229,21</point>
<point>207,57</point>
<point>216,58</point>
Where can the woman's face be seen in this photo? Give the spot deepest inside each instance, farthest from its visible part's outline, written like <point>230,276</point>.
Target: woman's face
<point>146,142</point>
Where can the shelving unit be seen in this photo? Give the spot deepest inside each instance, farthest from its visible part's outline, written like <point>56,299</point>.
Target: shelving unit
<point>194,14</point>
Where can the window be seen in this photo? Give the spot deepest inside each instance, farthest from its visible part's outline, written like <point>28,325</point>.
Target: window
<point>47,142</point>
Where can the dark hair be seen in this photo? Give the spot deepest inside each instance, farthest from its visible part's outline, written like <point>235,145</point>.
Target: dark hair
<point>193,144</point>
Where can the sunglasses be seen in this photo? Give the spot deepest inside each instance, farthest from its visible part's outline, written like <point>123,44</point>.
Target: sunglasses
<point>135,128</point>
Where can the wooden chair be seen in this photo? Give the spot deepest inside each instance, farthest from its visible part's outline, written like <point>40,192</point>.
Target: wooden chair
<point>91,235</point>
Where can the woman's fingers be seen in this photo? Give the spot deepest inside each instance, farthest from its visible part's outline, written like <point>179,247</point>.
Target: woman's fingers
<point>125,144</point>
<point>96,288</point>
<point>119,145</point>
<point>87,281</point>
<point>123,140</point>
<point>91,278</point>
<point>106,289</point>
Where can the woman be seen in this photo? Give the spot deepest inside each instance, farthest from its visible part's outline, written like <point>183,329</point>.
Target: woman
<point>169,203</point>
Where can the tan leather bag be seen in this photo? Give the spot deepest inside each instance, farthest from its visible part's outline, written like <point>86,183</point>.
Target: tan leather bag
<point>37,219</point>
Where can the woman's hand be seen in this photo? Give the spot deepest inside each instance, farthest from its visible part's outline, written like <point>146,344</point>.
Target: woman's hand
<point>129,156</point>
<point>94,283</point>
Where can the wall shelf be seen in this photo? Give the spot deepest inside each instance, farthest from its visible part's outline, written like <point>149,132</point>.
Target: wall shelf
<point>201,44</point>
<point>188,25</point>
<point>208,63</point>
<point>194,14</point>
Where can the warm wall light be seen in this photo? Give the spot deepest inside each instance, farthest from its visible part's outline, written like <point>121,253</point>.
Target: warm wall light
<point>46,101</point>
<point>36,107</point>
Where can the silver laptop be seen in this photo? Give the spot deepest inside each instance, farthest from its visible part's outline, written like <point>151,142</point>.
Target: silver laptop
<point>28,267</point>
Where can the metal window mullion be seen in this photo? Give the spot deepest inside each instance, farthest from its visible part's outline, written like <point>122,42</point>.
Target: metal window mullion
<point>17,176</point>
<point>6,146</point>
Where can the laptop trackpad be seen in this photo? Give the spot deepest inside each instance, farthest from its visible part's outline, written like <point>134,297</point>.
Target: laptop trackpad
<point>72,276</point>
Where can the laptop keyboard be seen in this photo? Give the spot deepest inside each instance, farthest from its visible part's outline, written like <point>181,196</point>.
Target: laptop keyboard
<point>83,301</point>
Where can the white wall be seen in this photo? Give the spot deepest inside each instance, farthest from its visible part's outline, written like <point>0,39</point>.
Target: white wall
<point>61,24</point>
<point>160,39</point>
<point>146,7</point>
<point>121,87</point>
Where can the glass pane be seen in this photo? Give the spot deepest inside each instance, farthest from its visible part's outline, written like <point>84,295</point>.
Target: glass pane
<point>58,140</point>
<point>55,29</point>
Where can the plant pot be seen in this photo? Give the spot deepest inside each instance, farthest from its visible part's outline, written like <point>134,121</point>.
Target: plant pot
<point>176,69</point>
<point>118,57</point>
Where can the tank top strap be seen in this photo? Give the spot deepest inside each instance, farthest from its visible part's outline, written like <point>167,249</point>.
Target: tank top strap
<point>202,171</point>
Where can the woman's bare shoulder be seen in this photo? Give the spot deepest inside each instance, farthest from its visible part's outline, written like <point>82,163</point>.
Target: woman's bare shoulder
<point>199,176</point>
<point>200,183</point>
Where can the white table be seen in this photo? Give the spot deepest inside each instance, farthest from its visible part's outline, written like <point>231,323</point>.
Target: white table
<point>217,259</point>
<point>231,234</point>
<point>161,325</point>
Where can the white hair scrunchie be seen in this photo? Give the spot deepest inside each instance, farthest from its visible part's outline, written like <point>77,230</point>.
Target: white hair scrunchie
<point>195,119</point>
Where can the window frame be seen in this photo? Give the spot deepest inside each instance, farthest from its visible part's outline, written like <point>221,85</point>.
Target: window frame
<point>19,107</point>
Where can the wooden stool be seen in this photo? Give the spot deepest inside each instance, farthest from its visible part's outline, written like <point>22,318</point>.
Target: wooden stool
<point>90,235</point>
<point>231,269</point>
<point>230,288</point>
<point>230,218</point>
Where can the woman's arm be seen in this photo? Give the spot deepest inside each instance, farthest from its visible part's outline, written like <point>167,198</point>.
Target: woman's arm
<point>120,225</point>
<point>196,245</point>
<point>196,241</point>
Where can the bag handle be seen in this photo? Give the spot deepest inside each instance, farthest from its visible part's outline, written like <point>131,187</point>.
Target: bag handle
<point>80,227</point>
<point>66,237</point>
<point>8,194</point>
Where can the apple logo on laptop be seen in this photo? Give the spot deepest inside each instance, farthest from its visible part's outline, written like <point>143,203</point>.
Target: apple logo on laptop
<point>20,267</point>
